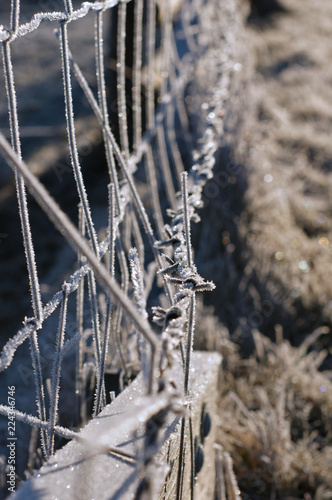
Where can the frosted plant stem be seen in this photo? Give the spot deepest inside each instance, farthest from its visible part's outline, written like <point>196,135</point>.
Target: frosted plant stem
<point>77,242</point>
<point>72,135</point>
<point>121,79</point>
<point>137,73</point>
<point>56,372</point>
<point>100,71</point>
<point>152,180</point>
<point>108,316</point>
<point>136,198</point>
<point>166,171</point>
<point>79,317</point>
<point>151,28</point>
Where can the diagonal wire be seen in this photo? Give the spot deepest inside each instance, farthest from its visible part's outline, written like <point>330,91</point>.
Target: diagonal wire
<point>78,243</point>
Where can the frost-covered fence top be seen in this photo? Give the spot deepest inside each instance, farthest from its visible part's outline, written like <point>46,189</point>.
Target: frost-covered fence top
<point>132,296</point>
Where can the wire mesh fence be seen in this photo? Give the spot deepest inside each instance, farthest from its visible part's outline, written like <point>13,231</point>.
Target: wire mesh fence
<point>129,305</point>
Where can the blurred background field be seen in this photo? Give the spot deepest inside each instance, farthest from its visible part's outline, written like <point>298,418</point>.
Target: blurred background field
<point>275,272</point>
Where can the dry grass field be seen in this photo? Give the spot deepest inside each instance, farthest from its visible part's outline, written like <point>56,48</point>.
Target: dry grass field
<point>272,260</point>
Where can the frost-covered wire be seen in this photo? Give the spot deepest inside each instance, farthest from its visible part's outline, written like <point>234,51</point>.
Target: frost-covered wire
<point>68,230</point>
<point>72,136</point>
<point>34,23</point>
<point>137,73</point>
<point>151,35</point>
<point>121,78</point>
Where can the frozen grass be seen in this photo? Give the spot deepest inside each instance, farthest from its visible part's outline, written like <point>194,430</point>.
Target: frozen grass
<point>273,265</point>
<point>275,414</point>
